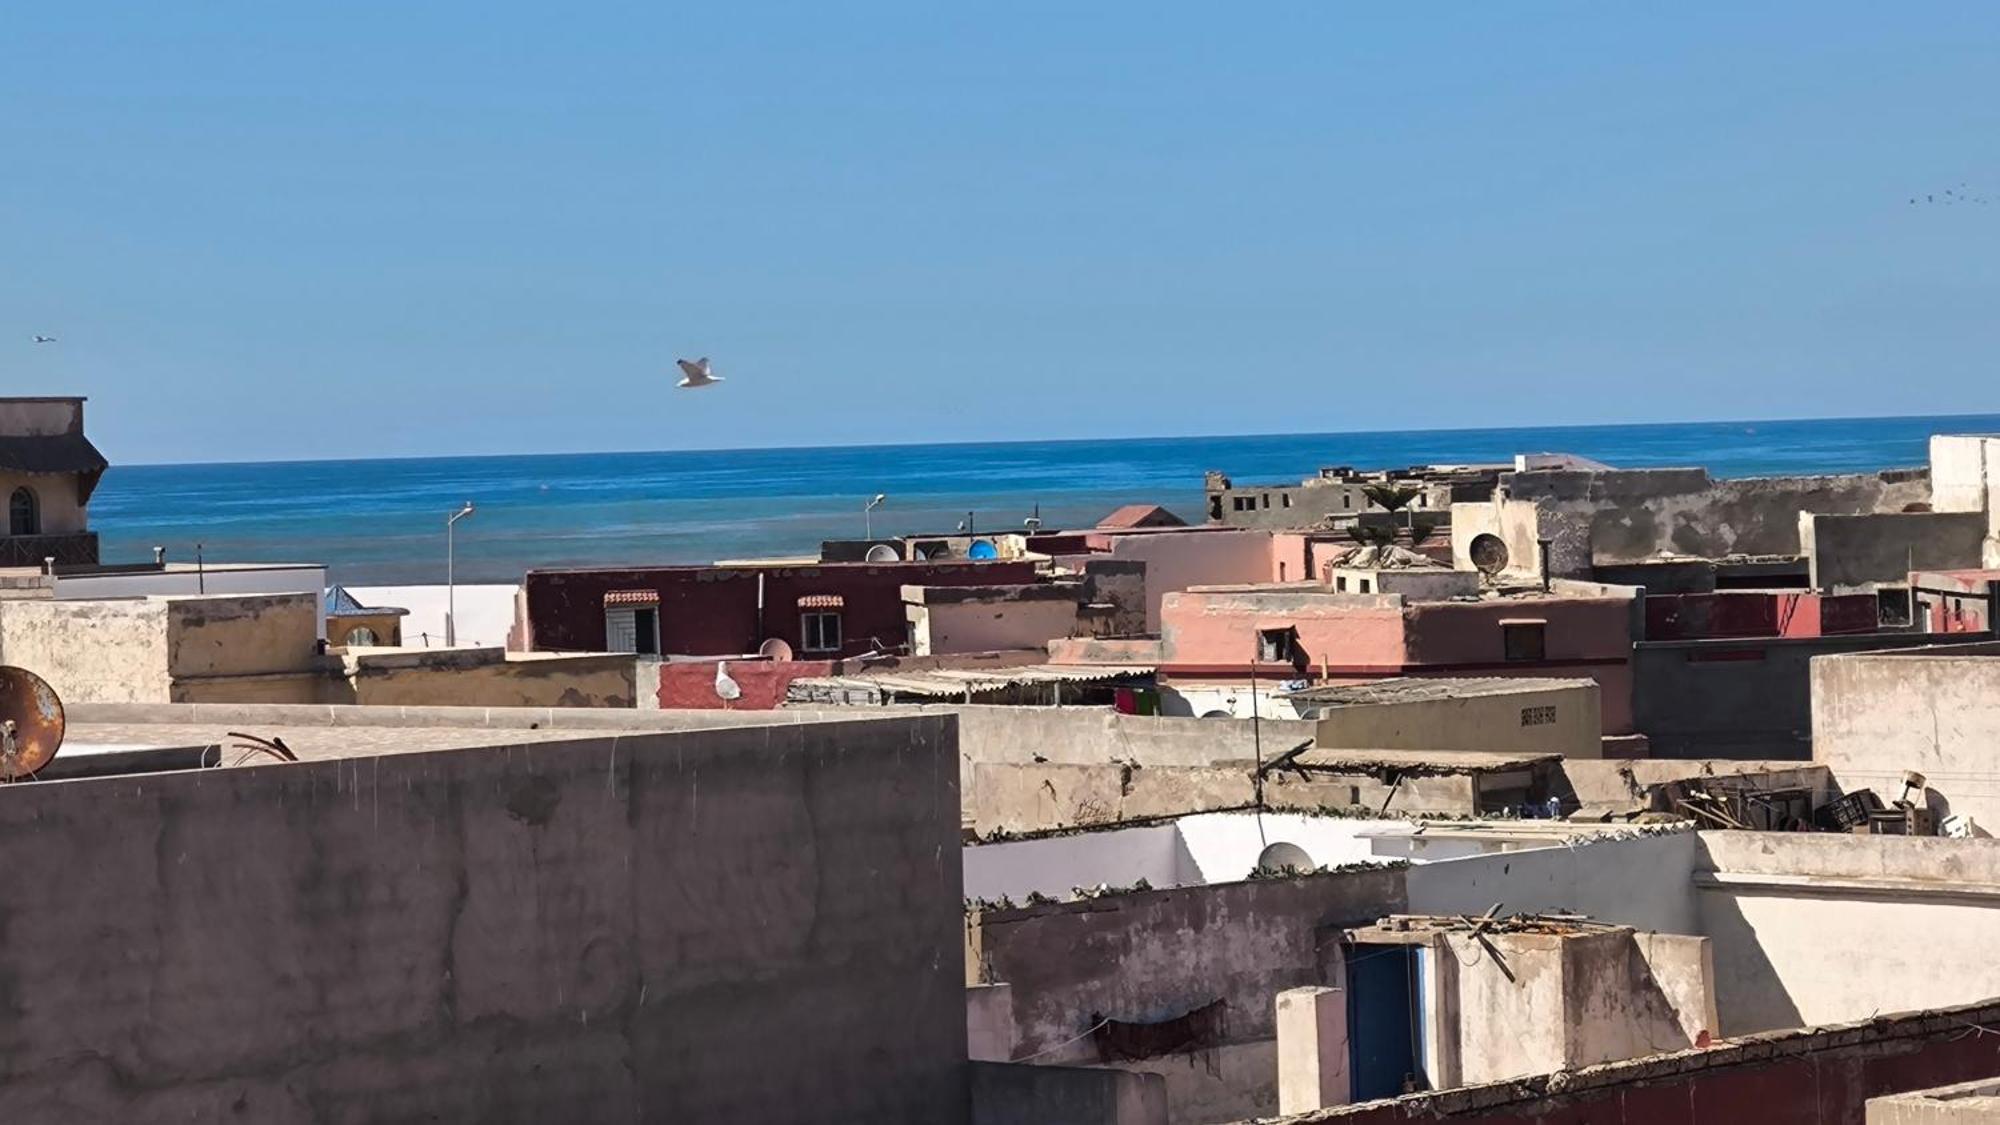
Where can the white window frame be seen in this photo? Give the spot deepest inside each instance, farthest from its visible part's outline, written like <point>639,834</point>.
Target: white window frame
<point>813,639</point>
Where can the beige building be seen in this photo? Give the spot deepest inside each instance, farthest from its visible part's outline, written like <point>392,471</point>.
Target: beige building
<point>48,470</point>
<point>1536,716</point>
<point>264,648</point>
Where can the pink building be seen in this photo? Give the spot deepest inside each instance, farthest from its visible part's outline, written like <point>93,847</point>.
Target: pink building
<point>1305,632</point>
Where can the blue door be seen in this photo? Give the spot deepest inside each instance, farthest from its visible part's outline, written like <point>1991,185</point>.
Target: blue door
<point>1384,992</point>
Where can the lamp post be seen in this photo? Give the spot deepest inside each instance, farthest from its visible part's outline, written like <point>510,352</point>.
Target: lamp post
<point>868,515</point>
<point>450,576</point>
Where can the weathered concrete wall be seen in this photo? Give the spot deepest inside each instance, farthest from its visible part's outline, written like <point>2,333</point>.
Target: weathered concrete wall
<point>1563,719</point>
<point>1626,516</point>
<point>728,926</point>
<point>186,579</point>
<point>482,678</point>
<point>1021,1094</point>
<point>1039,797</point>
<point>1640,882</point>
<point>241,634</point>
<point>1965,477</point>
<point>1814,928</point>
<point>1935,710</point>
<point>1962,1103</point>
<point>1855,552</point>
<point>90,652</point>
<point>1739,698</point>
<point>1155,955</point>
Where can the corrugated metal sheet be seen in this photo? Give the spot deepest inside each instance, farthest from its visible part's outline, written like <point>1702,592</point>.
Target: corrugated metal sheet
<point>948,683</point>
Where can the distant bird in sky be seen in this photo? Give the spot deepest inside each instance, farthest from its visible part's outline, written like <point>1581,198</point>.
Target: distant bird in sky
<point>45,339</point>
<point>1950,197</point>
<point>697,373</point>
<point>726,687</point>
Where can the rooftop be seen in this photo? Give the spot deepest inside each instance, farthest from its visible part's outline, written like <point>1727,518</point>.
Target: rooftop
<point>1410,689</point>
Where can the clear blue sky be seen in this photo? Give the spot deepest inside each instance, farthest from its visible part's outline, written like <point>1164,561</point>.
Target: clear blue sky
<point>395,229</point>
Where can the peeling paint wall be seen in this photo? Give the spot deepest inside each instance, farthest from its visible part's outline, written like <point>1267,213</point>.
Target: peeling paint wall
<point>1935,710</point>
<point>1155,955</point>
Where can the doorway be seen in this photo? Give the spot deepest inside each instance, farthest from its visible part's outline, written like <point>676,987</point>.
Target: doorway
<point>1385,1020</point>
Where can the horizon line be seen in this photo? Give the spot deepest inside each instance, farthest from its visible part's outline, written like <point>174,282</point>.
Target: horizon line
<point>837,447</point>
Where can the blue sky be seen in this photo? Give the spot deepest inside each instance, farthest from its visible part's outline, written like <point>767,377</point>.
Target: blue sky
<point>370,229</point>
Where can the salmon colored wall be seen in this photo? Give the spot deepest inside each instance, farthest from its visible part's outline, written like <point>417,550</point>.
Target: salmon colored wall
<point>691,684</point>
<point>1355,634</point>
<point>1176,560</point>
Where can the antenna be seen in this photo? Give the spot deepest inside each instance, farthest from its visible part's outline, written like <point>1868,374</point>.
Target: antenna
<point>31,723</point>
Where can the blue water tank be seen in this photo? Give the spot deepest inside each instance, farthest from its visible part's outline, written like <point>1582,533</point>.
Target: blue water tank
<point>981,549</point>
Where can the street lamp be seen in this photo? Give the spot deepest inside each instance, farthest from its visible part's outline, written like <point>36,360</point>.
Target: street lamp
<point>868,515</point>
<point>450,576</point>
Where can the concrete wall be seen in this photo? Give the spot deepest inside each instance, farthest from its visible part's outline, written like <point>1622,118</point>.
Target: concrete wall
<point>185,579</point>
<point>41,416</point>
<point>1039,797</point>
<point>1739,698</point>
<point>1935,710</point>
<point>727,926</point>
<point>1962,1103</point>
<point>486,678</point>
<point>1816,928</point>
<point>948,626</point>
<point>1855,552</point>
<point>1965,477</point>
<point>228,635</point>
<point>1152,956</point>
<point>1020,1094</point>
<point>1566,720</point>
<point>1177,560</point>
<point>1625,516</point>
<point>1640,881</point>
<point>91,652</point>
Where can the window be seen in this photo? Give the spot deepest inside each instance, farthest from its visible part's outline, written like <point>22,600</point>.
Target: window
<point>1215,507</point>
<point>1286,498</point>
<point>361,635</point>
<point>1281,572</point>
<point>24,513</point>
<point>1267,501</point>
<point>1346,501</point>
<point>819,632</point>
<point>632,630</point>
<point>1340,584</point>
<point>1524,640</point>
<point>1363,585</point>
<point>1277,644</point>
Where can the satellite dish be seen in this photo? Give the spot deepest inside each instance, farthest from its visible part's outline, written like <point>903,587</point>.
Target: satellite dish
<point>31,723</point>
<point>982,549</point>
<point>882,553</point>
<point>777,648</point>
<point>1489,553</point>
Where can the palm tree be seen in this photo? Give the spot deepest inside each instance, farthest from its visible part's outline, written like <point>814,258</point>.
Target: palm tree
<point>1391,497</point>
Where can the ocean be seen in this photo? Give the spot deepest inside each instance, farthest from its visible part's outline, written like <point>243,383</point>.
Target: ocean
<point>383,521</point>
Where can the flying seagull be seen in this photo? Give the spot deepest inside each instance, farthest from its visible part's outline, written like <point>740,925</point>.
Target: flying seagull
<point>45,339</point>
<point>696,373</point>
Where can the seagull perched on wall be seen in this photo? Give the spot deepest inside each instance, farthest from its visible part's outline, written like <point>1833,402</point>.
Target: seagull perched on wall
<point>697,373</point>
<point>45,339</point>
<point>726,687</point>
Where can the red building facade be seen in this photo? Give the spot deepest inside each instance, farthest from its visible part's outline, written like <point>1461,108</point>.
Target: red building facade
<point>820,612</point>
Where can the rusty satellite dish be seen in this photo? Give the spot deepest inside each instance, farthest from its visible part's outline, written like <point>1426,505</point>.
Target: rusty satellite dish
<point>1489,554</point>
<point>31,723</point>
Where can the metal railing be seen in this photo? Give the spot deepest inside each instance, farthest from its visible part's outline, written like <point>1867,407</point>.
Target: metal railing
<point>76,549</point>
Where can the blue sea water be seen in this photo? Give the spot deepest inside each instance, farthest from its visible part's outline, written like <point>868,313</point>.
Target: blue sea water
<point>382,521</point>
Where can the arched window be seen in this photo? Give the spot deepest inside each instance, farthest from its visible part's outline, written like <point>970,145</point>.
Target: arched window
<point>361,635</point>
<point>24,513</point>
